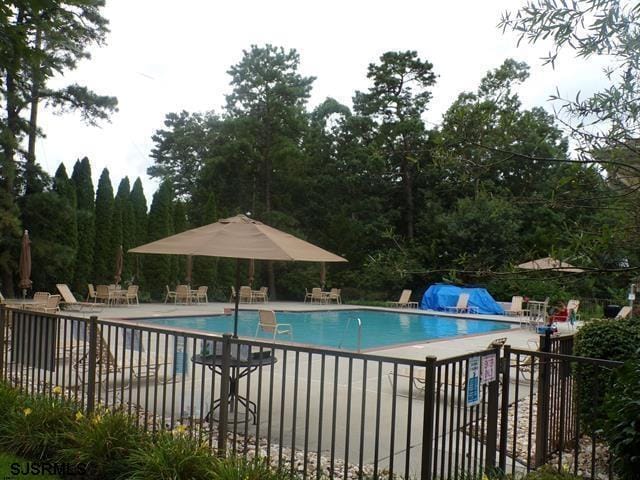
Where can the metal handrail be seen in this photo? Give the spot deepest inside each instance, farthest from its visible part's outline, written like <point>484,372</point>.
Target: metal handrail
<point>344,333</point>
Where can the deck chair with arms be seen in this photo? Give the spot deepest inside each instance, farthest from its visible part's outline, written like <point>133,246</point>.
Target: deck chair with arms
<point>268,324</point>
<point>132,294</point>
<point>316,295</point>
<point>91,293</point>
<point>335,296</point>
<point>404,301</point>
<point>52,305</point>
<point>200,295</point>
<point>260,295</point>
<point>69,302</point>
<point>245,294</point>
<point>183,294</point>
<point>170,294</point>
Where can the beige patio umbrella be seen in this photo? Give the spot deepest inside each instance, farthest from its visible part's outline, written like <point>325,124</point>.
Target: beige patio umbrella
<point>239,237</point>
<point>25,264</point>
<point>550,263</point>
<point>117,276</point>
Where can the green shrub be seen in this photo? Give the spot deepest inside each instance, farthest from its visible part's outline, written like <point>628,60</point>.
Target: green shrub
<point>622,426</point>
<point>172,456</point>
<point>233,468</point>
<point>35,426</point>
<point>550,473</point>
<point>8,400</point>
<point>610,340</point>
<point>100,443</point>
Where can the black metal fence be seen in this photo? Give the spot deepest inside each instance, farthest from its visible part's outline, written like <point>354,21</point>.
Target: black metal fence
<point>316,412</point>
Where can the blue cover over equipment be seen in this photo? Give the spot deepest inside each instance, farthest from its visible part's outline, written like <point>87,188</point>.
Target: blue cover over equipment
<point>439,296</point>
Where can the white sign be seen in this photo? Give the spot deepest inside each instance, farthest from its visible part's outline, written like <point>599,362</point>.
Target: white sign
<point>488,369</point>
<point>473,382</point>
<point>631,297</point>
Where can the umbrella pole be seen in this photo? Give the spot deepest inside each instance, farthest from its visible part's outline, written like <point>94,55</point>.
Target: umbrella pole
<point>235,318</point>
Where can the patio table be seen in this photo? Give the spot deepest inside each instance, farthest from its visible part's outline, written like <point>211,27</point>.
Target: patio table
<point>242,364</point>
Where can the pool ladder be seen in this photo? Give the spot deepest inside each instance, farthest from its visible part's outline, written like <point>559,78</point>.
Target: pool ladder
<point>346,328</point>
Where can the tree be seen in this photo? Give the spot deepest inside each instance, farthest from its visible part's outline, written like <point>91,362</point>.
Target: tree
<point>104,253</point>
<point>396,101</point>
<point>123,225</point>
<point>158,268</point>
<point>139,234</point>
<point>85,218</point>
<point>40,39</point>
<point>267,104</point>
<point>63,186</point>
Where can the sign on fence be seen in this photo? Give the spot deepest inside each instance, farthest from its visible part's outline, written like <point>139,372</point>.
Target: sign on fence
<point>473,382</point>
<point>488,369</point>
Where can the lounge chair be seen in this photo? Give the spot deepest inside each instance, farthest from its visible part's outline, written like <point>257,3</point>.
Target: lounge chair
<point>267,323</point>
<point>622,314</point>
<point>463,305</point>
<point>170,295</point>
<point>41,298</point>
<point>200,294</point>
<point>525,365</point>
<point>69,302</point>
<point>404,301</point>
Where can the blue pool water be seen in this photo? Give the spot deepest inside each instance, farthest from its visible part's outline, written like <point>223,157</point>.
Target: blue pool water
<point>333,329</point>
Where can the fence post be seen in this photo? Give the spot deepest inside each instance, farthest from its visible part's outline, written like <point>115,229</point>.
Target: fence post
<point>427,421</point>
<point>544,385</point>
<point>93,356</point>
<point>504,413</point>
<point>492,416</point>
<point>223,419</point>
<point>3,313</point>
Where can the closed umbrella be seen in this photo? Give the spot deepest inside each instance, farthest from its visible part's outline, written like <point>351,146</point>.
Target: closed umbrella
<point>239,237</point>
<point>119,263</point>
<point>550,263</point>
<point>252,271</point>
<point>323,274</point>
<point>25,264</point>
<point>189,269</point>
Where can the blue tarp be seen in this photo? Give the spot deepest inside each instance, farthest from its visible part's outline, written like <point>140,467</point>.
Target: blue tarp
<point>439,296</point>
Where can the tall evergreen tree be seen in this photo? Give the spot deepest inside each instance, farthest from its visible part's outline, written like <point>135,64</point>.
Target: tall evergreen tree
<point>104,253</point>
<point>85,218</point>
<point>139,232</point>
<point>180,224</point>
<point>123,225</point>
<point>63,186</point>
<point>205,268</point>
<point>157,268</point>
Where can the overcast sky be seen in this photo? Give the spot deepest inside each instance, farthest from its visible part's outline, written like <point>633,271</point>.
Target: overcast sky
<point>165,56</point>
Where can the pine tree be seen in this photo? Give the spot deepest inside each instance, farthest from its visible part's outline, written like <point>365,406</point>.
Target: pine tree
<point>63,186</point>
<point>180,224</point>
<point>85,218</point>
<point>123,225</point>
<point>139,232</point>
<point>104,254</point>
<point>157,268</point>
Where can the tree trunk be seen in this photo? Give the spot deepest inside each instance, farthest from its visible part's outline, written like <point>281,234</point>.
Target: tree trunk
<point>30,168</point>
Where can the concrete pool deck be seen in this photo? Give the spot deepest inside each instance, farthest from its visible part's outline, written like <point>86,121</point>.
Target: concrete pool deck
<point>516,337</point>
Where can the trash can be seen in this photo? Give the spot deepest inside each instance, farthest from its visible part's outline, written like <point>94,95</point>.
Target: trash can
<point>610,311</point>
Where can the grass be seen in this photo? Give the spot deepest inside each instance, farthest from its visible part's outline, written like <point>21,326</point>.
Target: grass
<point>7,460</point>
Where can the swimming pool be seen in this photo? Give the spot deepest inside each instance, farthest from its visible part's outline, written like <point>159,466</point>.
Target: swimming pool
<point>338,328</point>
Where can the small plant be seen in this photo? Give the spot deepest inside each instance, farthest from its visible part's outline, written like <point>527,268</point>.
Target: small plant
<point>8,400</point>
<point>172,455</point>
<point>35,426</point>
<point>234,468</point>
<point>622,427</point>
<point>101,442</point>
<point>550,473</point>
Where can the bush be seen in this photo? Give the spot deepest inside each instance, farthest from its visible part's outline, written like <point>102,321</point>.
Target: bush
<point>622,426</point>
<point>8,400</point>
<point>100,443</point>
<point>172,455</point>
<point>35,426</point>
<point>610,340</point>
<point>550,473</point>
<point>256,469</point>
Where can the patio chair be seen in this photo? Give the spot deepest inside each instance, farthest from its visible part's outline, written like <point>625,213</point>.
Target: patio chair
<point>103,294</point>
<point>307,295</point>
<point>201,294</point>
<point>334,296</point>
<point>317,295</point>
<point>403,301</point>
<point>170,295</point>
<point>132,294</point>
<point>52,305</point>
<point>260,295</point>
<point>267,323</point>
<point>245,294</point>
<point>232,297</point>
<point>69,302</point>
<point>91,293</point>
<point>515,308</point>
<point>41,297</point>
<point>463,305</point>
<point>183,294</point>
<point>622,314</point>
